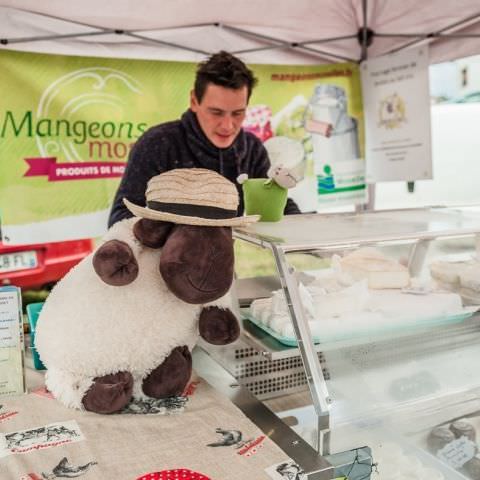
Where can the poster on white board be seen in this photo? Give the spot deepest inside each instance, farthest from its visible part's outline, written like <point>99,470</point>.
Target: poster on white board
<point>396,102</point>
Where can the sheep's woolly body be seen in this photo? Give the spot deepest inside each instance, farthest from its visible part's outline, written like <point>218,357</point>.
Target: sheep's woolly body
<point>88,328</point>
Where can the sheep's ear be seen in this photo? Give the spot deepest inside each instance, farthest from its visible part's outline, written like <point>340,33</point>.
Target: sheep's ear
<point>152,233</point>
<point>115,263</point>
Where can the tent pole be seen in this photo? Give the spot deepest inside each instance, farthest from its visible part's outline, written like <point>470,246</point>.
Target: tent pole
<point>326,40</point>
<point>364,31</point>
<point>253,34</point>
<point>320,53</point>
<point>281,43</point>
<point>371,190</point>
<point>101,31</point>
<point>461,23</point>
<point>83,24</point>
<point>7,41</point>
<point>323,53</point>
<point>162,42</point>
<point>54,17</point>
<point>430,35</point>
<point>176,27</point>
<point>258,49</point>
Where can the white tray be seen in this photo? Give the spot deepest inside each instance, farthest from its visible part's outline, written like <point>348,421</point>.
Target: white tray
<point>399,326</point>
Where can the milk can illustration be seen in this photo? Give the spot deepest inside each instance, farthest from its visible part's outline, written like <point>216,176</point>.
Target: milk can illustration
<point>336,152</point>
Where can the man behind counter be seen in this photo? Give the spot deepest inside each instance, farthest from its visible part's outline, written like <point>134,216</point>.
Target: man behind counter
<point>208,135</point>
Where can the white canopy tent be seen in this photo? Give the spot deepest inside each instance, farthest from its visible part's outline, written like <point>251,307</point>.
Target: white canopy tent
<point>271,32</point>
<point>280,31</point>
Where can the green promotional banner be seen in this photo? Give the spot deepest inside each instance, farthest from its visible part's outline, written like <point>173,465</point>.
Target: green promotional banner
<point>68,123</point>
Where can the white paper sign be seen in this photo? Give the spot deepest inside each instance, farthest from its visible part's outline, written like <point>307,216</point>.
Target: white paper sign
<point>396,100</point>
<point>11,342</point>
<point>457,453</point>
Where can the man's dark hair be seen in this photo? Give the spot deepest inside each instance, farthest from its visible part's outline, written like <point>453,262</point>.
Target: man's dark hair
<point>223,69</point>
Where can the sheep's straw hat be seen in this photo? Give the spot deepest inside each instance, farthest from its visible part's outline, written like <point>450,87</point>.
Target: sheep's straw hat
<point>192,196</point>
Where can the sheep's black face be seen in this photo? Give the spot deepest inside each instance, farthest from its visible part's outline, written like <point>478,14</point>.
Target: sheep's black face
<point>197,262</point>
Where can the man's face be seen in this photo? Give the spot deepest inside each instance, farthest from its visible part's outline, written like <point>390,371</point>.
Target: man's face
<point>220,113</point>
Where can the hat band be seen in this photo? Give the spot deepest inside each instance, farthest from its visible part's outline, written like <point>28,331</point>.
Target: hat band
<point>202,211</point>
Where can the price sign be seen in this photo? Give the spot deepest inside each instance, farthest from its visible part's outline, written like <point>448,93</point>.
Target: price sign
<point>12,379</point>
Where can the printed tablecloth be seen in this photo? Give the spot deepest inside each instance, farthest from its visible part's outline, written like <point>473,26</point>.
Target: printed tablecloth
<point>207,438</point>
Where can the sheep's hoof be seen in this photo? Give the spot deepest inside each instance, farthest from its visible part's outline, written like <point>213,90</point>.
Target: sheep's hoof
<point>109,393</point>
<point>171,377</point>
<point>218,326</point>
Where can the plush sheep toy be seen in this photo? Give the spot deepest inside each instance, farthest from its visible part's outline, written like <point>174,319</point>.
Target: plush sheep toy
<point>123,322</point>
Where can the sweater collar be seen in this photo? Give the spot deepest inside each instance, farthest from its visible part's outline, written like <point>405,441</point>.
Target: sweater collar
<point>200,141</point>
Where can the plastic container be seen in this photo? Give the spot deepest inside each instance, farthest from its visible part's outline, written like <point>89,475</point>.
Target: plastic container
<point>33,311</point>
<point>265,198</point>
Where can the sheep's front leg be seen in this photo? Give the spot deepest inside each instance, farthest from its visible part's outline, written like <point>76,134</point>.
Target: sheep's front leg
<point>218,326</point>
<point>109,394</point>
<point>171,377</point>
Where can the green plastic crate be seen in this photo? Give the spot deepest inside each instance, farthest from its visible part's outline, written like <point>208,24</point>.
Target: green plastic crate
<point>33,311</point>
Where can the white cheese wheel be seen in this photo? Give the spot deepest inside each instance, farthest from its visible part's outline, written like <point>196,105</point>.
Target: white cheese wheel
<point>448,272</point>
<point>380,271</point>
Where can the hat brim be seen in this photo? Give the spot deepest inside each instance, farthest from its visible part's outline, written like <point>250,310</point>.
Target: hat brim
<point>151,214</point>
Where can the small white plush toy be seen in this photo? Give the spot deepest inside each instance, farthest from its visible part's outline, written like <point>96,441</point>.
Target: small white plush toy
<point>121,325</point>
<point>267,197</point>
<point>287,157</point>
<point>282,176</point>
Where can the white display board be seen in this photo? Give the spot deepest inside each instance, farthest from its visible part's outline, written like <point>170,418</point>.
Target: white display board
<point>12,380</point>
<point>396,100</point>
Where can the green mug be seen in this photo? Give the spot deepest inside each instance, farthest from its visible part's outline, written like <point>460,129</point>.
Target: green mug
<point>264,197</point>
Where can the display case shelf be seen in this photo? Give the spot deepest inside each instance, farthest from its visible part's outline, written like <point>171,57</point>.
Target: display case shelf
<point>336,231</point>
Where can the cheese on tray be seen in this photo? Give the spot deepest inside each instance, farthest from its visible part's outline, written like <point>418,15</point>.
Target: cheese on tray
<point>380,271</point>
<point>448,273</point>
<point>338,301</point>
<point>355,310</point>
<point>366,292</point>
<point>462,277</point>
<point>399,305</point>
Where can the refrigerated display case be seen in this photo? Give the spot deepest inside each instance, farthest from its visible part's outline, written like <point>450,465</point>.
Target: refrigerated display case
<point>386,382</point>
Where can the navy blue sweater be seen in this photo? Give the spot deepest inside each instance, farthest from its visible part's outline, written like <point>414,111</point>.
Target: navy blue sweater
<point>182,144</point>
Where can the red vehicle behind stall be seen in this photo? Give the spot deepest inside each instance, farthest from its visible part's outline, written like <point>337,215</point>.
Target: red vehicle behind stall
<point>40,265</point>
